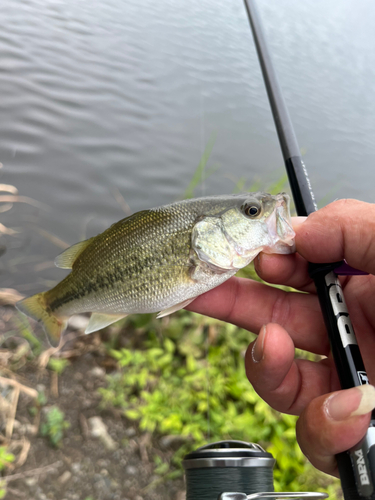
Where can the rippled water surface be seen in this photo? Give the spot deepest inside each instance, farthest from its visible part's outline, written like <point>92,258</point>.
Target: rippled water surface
<point>108,104</point>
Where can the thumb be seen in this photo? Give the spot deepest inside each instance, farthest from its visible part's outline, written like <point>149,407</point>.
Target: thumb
<point>334,423</point>
<point>343,229</point>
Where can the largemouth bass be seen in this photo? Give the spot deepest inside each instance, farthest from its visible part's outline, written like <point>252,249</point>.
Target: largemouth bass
<point>161,259</point>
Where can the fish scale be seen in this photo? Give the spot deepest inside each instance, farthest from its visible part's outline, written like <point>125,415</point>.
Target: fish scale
<point>161,259</point>
<point>153,257</point>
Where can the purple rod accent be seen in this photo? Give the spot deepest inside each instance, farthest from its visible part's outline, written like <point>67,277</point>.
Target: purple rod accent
<point>346,270</point>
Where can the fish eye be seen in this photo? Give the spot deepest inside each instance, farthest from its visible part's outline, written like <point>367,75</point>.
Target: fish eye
<point>251,209</point>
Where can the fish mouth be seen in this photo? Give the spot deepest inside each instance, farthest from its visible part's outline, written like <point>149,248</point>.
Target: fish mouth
<point>280,228</point>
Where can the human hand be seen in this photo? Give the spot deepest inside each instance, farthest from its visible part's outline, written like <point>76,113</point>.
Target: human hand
<point>331,421</point>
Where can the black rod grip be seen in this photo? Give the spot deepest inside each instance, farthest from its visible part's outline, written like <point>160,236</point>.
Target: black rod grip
<point>356,466</point>
<point>345,351</point>
<point>348,479</point>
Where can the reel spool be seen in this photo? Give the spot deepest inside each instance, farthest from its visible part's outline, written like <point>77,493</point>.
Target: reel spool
<point>227,466</point>
<point>233,470</point>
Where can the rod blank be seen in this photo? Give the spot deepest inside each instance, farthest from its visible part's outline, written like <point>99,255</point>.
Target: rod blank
<point>299,181</point>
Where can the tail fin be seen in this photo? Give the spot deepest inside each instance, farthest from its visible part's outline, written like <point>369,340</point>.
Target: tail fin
<point>36,308</point>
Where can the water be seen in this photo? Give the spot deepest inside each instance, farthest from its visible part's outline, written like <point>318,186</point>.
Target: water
<point>103,100</point>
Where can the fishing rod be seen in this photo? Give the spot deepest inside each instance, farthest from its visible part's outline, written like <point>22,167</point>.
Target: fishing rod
<point>356,466</point>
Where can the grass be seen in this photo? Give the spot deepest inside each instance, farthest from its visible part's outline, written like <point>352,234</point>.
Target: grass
<point>188,379</point>
<point>54,426</point>
<point>6,458</point>
<point>201,174</point>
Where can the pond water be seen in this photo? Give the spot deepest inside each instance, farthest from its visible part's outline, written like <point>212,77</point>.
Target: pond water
<point>110,104</point>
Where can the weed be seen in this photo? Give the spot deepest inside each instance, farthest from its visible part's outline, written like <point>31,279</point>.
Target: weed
<point>40,401</point>
<point>58,365</point>
<point>192,383</point>
<point>3,489</point>
<point>54,426</point>
<point>201,174</point>
<point>6,459</point>
<point>24,329</point>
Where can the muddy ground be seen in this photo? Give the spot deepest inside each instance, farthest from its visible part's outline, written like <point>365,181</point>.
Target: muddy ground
<point>102,456</point>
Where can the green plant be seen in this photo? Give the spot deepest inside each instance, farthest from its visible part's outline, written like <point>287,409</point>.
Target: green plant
<point>201,174</point>
<point>54,426</point>
<point>190,381</point>
<point>24,329</point>
<point>6,459</point>
<point>40,401</point>
<point>3,489</point>
<point>58,365</point>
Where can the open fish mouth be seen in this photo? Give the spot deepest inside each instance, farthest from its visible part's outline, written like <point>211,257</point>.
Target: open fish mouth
<point>280,228</point>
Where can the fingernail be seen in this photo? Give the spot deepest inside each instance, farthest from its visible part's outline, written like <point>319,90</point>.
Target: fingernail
<point>351,402</point>
<point>258,347</point>
<point>297,221</point>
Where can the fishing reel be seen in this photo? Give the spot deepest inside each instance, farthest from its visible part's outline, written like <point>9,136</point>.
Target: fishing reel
<point>233,470</point>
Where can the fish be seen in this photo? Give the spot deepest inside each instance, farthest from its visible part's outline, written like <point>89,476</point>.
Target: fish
<point>161,259</point>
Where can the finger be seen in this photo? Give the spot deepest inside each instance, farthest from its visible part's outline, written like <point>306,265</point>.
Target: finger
<point>334,423</point>
<point>342,229</point>
<point>281,380</point>
<point>249,304</point>
<point>290,270</point>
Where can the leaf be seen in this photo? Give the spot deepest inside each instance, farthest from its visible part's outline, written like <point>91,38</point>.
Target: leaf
<point>169,346</point>
<point>132,414</point>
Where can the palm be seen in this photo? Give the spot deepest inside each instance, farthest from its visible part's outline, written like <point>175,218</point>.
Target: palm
<point>292,383</point>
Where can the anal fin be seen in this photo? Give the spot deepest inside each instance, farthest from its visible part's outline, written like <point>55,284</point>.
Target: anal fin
<point>174,308</point>
<point>99,320</point>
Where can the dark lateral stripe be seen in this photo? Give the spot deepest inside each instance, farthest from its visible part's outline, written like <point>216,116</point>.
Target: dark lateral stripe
<point>101,283</point>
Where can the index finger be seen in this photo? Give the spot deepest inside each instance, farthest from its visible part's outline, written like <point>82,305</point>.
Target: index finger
<point>249,304</point>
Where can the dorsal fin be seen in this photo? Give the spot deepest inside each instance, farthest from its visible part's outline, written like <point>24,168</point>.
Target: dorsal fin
<point>67,258</point>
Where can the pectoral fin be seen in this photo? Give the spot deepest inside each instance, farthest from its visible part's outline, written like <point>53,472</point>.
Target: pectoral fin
<point>66,259</point>
<point>174,308</point>
<point>99,320</point>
